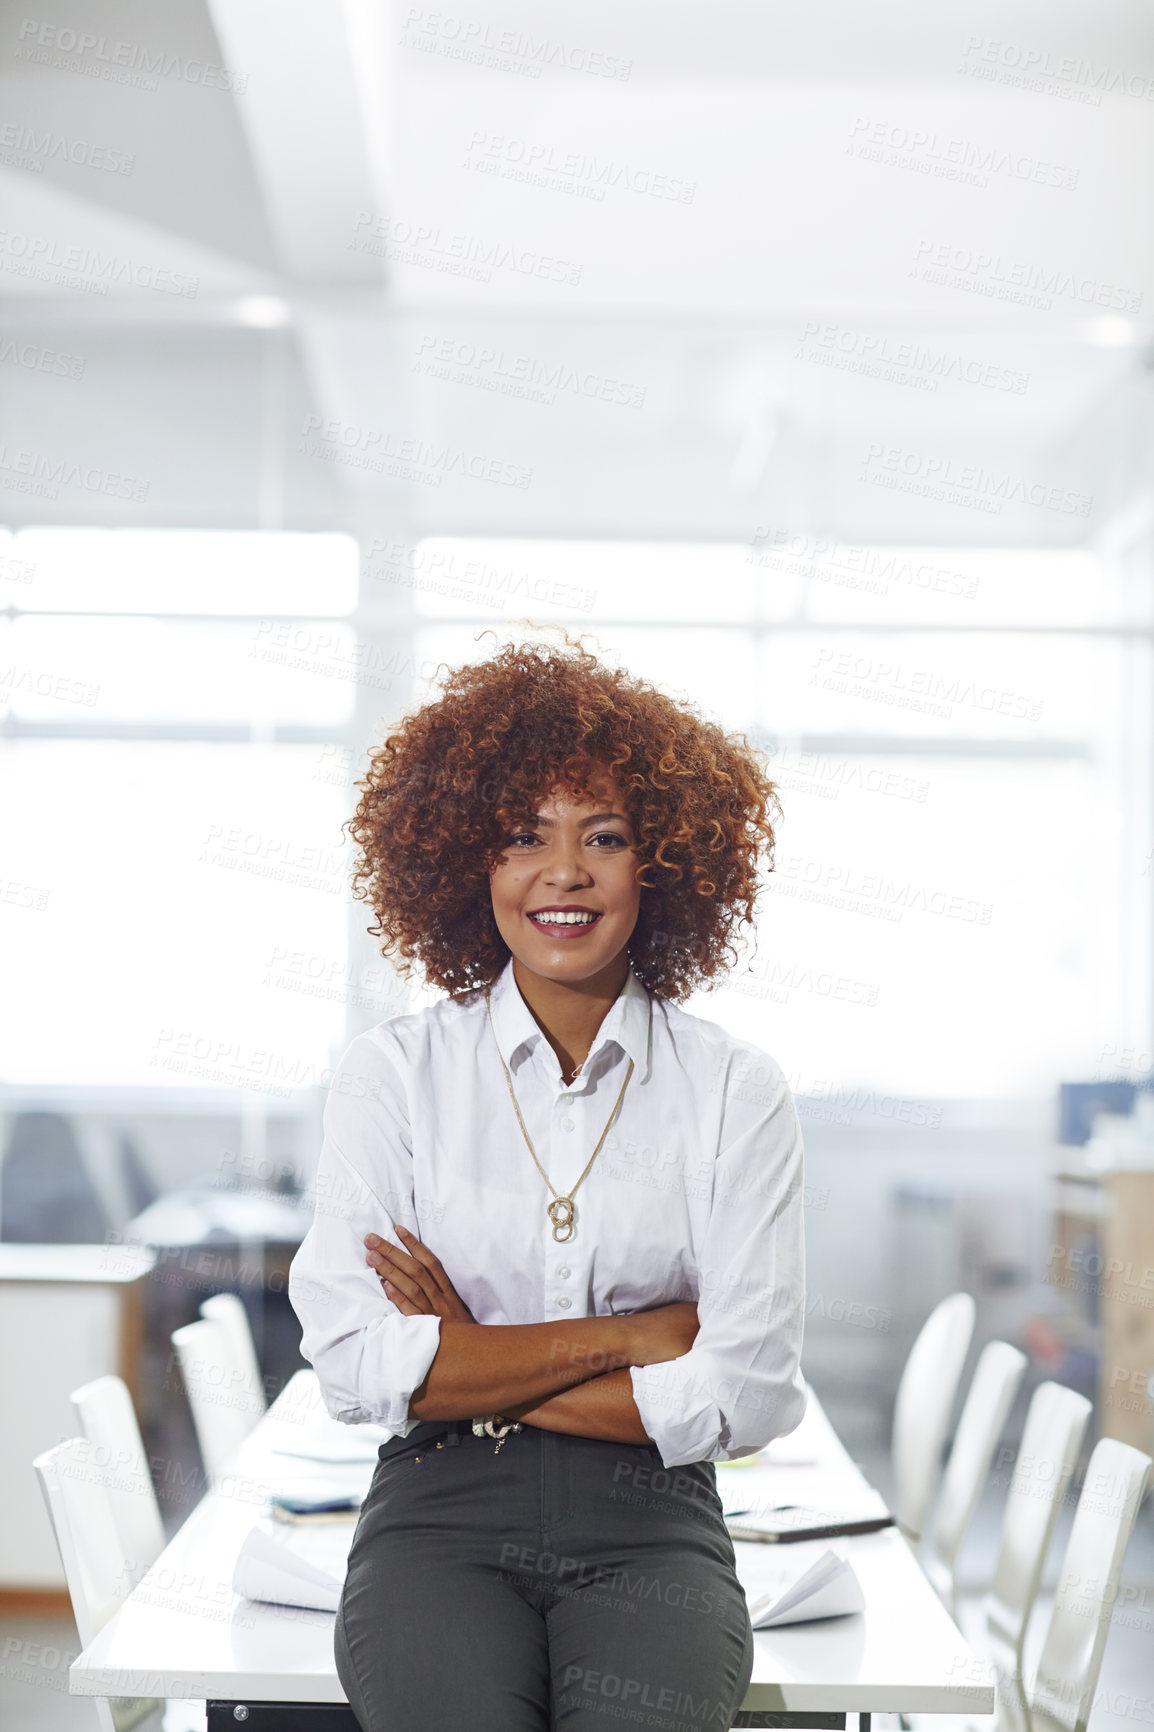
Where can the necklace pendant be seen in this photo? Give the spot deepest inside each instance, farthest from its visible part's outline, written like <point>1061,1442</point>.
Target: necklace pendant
<point>561,1212</point>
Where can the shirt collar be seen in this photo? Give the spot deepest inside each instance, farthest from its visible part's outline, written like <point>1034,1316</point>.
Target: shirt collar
<point>626,1022</point>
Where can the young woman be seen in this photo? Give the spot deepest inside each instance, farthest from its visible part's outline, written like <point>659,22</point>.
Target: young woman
<point>557,1251</point>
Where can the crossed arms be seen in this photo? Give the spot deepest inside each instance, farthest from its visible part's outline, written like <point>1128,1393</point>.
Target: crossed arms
<point>559,1376</point>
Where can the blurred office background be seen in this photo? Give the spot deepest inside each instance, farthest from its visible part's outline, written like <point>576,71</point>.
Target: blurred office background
<point>802,357</point>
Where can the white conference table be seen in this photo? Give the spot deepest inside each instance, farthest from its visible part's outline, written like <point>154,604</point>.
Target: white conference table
<point>184,1633</point>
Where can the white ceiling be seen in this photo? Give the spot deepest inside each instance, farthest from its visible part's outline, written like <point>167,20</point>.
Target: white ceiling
<point>422,224</point>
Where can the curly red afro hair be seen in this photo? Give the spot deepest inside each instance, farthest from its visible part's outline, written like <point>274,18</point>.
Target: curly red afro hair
<point>459,774</point>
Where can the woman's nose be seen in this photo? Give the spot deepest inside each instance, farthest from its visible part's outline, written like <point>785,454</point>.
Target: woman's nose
<point>566,869</point>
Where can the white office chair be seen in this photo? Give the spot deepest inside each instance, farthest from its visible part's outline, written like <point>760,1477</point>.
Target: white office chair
<point>80,1510</point>
<point>1067,1675</point>
<point>991,1395</point>
<point>227,1309</point>
<point>1047,1456</point>
<point>922,1411</point>
<point>225,1407</point>
<point>76,1486</point>
<point>108,1421</point>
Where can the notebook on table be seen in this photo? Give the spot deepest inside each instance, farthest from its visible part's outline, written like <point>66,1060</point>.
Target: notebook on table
<point>862,1512</point>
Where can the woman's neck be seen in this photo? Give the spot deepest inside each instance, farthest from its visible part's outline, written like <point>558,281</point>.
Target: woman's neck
<point>570,1015</point>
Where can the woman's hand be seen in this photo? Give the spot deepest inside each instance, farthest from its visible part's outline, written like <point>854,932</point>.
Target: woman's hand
<point>665,1333</point>
<point>415,1282</point>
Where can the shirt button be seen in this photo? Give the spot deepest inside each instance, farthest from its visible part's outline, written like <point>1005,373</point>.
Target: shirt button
<point>564,1302</point>
<point>564,1274</point>
<point>566,1124</point>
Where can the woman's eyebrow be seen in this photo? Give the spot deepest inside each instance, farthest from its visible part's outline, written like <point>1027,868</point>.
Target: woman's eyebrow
<point>597,818</point>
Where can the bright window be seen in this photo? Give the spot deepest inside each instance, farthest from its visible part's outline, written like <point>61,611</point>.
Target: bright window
<point>958,909</point>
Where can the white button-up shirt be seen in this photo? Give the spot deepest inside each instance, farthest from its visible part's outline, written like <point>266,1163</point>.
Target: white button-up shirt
<point>695,1195</point>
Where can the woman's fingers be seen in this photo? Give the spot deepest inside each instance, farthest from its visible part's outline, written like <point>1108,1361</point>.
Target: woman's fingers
<point>420,1277</point>
<point>384,1257</point>
<point>422,1266</point>
<point>423,1255</point>
<point>404,1306</point>
<point>395,1283</point>
<point>401,1271</point>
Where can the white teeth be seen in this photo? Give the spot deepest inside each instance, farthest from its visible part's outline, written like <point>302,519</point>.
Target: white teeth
<point>568,919</point>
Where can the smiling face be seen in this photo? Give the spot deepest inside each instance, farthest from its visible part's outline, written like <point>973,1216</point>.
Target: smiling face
<point>564,893</point>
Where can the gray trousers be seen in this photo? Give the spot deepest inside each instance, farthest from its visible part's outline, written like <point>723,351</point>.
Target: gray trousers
<point>560,1585</point>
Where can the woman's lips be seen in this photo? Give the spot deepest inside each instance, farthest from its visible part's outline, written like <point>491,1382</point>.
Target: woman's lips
<point>562,929</point>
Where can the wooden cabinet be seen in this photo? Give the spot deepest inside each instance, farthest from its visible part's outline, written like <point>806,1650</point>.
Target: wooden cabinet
<point>1125,1287</point>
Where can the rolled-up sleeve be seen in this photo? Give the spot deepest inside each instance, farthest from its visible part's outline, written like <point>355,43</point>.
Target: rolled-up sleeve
<point>369,1357</point>
<point>740,1384</point>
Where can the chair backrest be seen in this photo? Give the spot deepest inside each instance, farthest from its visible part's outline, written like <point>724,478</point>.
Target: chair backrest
<point>76,1491</point>
<point>922,1411</point>
<point>1047,1456</point>
<point>224,1405</point>
<point>1063,1689</point>
<point>47,1194</point>
<point>228,1310</point>
<point>108,1421</point>
<point>991,1394</point>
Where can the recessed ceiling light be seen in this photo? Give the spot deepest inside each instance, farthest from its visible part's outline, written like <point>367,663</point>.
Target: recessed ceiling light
<point>1110,332</point>
<point>262,312</point>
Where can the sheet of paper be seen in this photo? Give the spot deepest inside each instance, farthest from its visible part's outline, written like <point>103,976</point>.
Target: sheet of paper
<point>827,1587</point>
<point>268,1569</point>
<point>325,1439</point>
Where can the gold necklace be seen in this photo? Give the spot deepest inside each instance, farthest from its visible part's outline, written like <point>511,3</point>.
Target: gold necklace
<point>561,1210</point>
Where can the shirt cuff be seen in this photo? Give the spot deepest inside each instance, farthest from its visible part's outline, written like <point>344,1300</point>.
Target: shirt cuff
<point>683,1428</point>
<point>395,1361</point>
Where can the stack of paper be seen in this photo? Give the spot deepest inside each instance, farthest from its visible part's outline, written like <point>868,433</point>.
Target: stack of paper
<point>827,1589</point>
<point>267,1569</point>
<point>324,1439</point>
